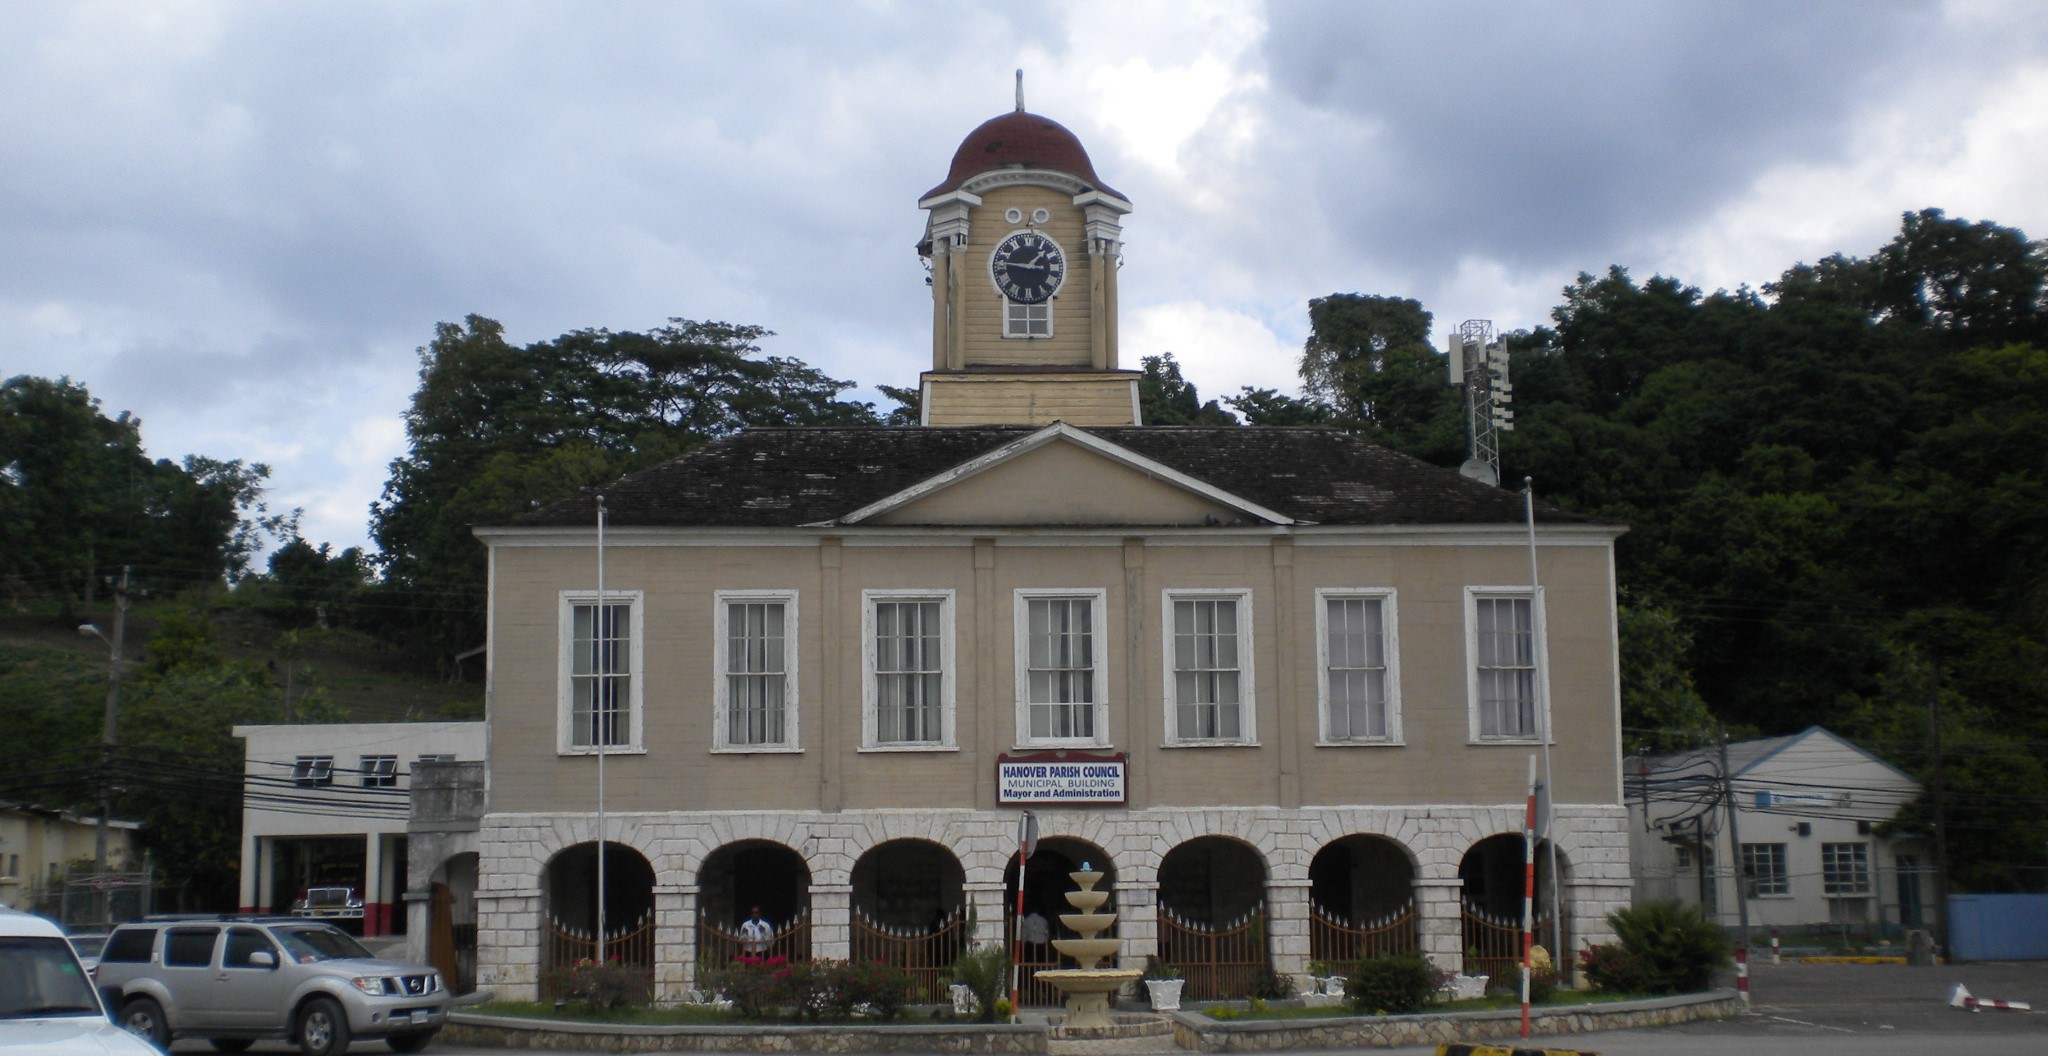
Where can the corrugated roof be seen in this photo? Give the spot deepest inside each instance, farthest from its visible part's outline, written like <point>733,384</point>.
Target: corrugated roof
<point>788,477</point>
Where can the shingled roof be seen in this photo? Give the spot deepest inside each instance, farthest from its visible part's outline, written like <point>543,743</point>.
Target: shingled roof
<point>785,478</point>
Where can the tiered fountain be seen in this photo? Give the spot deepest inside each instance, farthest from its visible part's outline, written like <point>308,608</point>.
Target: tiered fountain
<point>1088,987</point>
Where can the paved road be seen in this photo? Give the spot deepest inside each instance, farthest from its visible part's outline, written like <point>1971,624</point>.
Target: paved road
<point>1809,1009</point>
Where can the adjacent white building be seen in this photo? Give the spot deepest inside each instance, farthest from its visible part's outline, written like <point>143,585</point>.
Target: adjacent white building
<point>1809,808</point>
<point>327,805</point>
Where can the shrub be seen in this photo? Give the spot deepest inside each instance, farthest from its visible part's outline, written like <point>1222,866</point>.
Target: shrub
<point>984,969</point>
<point>1393,983</point>
<point>751,984</point>
<point>601,986</point>
<point>1270,985</point>
<point>1611,968</point>
<point>878,989</point>
<point>1677,946</point>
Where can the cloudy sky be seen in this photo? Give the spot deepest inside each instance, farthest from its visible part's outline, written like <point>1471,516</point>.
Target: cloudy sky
<point>240,220</point>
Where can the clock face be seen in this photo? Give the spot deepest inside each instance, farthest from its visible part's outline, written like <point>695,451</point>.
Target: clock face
<point>1028,267</point>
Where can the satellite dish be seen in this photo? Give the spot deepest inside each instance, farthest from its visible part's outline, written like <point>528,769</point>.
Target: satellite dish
<point>1480,470</point>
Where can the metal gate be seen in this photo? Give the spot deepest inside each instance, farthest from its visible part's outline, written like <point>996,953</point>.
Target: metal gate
<point>1035,957</point>
<point>719,945</point>
<point>1493,944</point>
<point>1217,962</point>
<point>1334,940</point>
<point>927,954</point>
<point>563,946</point>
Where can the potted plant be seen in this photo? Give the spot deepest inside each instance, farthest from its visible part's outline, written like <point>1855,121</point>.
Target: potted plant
<point>1162,985</point>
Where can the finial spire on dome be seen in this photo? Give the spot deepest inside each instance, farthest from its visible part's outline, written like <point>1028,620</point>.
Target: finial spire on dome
<point>1020,90</point>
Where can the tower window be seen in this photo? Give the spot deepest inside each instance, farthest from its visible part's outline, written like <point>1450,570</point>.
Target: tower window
<point>1027,320</point>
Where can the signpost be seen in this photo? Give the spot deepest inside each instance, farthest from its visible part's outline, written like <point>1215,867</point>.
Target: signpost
<point>1027,842</point>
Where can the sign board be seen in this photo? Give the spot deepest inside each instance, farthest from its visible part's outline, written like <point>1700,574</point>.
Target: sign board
<point>1061,777</point>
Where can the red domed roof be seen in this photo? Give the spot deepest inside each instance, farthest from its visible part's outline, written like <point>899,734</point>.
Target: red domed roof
<point>1021,139</point>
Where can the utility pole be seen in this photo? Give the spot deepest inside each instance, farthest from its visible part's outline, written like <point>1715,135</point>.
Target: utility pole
<point>1734,838</point>
<point>109,729</point>
<point>1940,820</point>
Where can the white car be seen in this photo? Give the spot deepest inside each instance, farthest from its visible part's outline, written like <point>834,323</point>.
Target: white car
<point>48,1005</point>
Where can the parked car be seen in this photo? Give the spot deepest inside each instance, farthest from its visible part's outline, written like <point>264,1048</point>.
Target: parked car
<point>234,980</point>
<point>329,903</point>
<point>47,1002</point>
<point>88,945</point>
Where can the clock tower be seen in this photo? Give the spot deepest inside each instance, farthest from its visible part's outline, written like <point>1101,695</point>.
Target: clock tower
<point>1022,242</point>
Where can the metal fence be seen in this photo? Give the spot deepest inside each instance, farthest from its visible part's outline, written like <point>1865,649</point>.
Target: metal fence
<point>926,953</point>
<point>1333,939</point>
<point>1216,961</point>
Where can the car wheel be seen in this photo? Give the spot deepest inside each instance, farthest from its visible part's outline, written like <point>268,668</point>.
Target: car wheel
<point>230,1044</point>
<point>144,1018</point>
<point>323,1028</point>
<point>409,1042</point>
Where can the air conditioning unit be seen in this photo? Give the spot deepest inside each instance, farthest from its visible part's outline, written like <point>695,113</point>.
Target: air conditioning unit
<point>1862,828</point>
<point>1806,828</point>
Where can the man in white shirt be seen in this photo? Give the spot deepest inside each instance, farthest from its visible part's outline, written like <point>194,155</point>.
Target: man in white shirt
<point>755,934</point>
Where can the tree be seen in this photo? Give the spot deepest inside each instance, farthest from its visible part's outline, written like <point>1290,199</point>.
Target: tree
<point>496,430</point>
<point>1369,360</point>
<point>78,496</point>
<point>1270,407</point>
<point>1167,398</point>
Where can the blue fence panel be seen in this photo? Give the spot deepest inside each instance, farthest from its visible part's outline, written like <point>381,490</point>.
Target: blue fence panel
<point>1998,927</point>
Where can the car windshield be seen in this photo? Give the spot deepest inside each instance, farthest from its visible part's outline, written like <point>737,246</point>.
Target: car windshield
<point>40,976</point>
<point>307,945</point>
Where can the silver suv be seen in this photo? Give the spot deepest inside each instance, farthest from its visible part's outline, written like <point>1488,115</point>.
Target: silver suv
<point>235,980</point>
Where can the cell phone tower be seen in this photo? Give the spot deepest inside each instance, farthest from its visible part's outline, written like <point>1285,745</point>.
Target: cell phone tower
<point>1479,364</point>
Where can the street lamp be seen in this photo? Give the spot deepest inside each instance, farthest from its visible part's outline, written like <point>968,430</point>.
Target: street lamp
<point>107,732</point>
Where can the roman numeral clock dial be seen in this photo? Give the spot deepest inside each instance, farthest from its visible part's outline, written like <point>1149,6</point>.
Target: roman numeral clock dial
<point>1028,267</point>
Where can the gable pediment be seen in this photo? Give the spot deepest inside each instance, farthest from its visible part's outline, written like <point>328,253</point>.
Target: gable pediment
<point>1060,475</point>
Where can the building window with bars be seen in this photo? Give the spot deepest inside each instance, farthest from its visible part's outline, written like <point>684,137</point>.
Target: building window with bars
<point>600,665</point>
<point>1763,867</point>
<point>1359,689</point>
<point>756,671</point>
<point>1845,870</point>
<point>1059,668</point>
<point>1208,667</point>
<point>909,676</point>
<point>1501,637</point>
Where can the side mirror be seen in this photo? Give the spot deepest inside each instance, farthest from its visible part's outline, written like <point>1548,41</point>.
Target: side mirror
<point>262,959</point>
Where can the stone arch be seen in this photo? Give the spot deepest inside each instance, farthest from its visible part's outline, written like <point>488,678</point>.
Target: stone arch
<point>744,876</point>
<point>570,900</point>
<point>451,919</point>
<point>908,883</point>
<point>1362,899</point>
<point>1213,916</point>
<point>1493,875</point>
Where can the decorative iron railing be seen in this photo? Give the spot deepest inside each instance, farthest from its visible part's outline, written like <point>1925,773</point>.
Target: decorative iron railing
<point>926,953</point>
<point>1334,940</point>
<point>1216,962</point>
<point>564,946</point>
<point>1493,944</point>
<point>719,945</point>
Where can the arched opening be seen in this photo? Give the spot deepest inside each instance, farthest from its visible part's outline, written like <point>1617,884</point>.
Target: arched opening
<point>1361,900</point>
<point>570,934</point>
<point>1212,917</point>
<point>1046,883</point>
<point>451,921</point>
<point>910,910</point>
<point>740,878</point>
<point>1494,875</point>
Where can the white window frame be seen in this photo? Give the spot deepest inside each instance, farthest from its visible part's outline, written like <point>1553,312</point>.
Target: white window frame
<point>1539,632</point>
<point>870,683</point>
<point>380,771</point>
<point>313,771</point>
<point>1833,875</point>
<point>1775,884</point>
<point>565,698</point>
<point>1247,682</point>
<point>1020,641</point>
<point>1391,670</point>
<point>722,601</point>
<point>1018,317</point>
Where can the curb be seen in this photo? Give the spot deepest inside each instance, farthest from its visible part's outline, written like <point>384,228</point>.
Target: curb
<point>1503,1050</point>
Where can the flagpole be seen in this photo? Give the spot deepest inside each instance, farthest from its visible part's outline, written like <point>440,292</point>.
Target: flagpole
<point>600,734</point>
<point>1537,622</point>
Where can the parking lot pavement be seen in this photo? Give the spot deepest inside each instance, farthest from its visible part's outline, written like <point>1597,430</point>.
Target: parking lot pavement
<point>1892,998</point>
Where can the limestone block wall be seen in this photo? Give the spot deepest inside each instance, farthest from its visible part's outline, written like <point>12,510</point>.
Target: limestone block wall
<point>516,849</point>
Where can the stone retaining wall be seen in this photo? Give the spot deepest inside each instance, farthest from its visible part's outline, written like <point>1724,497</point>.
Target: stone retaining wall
<point>1192,1031</point>
<point>1199,1033</point>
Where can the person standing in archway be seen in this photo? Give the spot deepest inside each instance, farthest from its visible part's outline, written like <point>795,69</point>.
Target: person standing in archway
<point>756,934</point>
